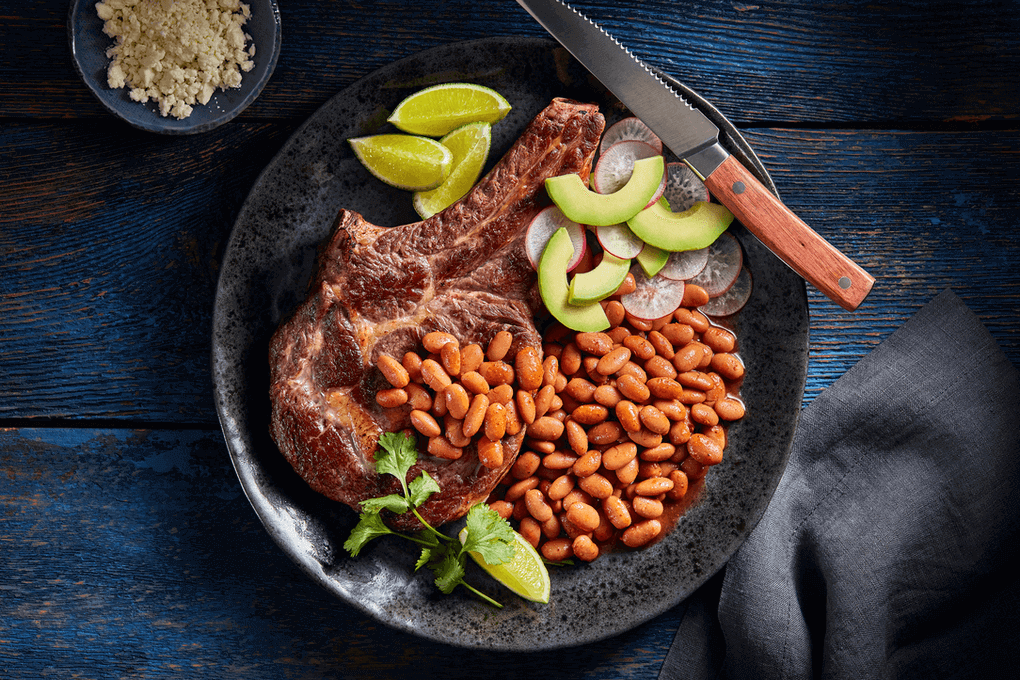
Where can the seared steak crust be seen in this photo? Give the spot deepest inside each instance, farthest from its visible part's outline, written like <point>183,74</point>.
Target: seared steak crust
<point>380,290</point>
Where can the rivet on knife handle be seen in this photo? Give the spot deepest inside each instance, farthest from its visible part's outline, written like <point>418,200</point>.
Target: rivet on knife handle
<point>789,237</point>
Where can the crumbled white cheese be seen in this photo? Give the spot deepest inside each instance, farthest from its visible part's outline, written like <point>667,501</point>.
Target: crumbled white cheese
<point>176,52</point>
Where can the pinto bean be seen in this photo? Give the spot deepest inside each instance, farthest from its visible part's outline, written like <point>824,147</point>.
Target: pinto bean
<point>654,419</point>
<point>608,395</point>
<point>391,398</point>
<point>663,347</point>
<point>729,366</point>
<point>440,447</point>
<point>412,364</point>
<point>613,361</point>
<point>597,344</point>
<point>475,416</point>
<point>434,341</point>
<point>525,465</point>
<point>425,423</point>
<point>641,533</point>
<point>393,371</point>
<point>434,375</point>
<point>474,382</point>
<point>418,397</point>
<point>596,486</point>
<point>633,388</point>
<point>471,358</point>
<point>449,357</point>
<point>587,464</point>
<point>729,409</point>
<point>495,421</point>
<point>617,512</point>
<point>704,449</point>
<point>457,400</point>
<point>694,295</point>
<point>490,453</point>
<point>576,437</point>
<point>617,456</point>
<point>590,414</point>
<point>499,346</point>
<point>584,549</point>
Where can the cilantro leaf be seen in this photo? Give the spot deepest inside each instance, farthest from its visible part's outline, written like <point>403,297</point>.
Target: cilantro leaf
<point>369,526</point>
<point>489,535</point>
<point>423,559</point>
<point>397,452</point>
<point>449,571</point>
<point>394,502</point>
<point>422,487</point>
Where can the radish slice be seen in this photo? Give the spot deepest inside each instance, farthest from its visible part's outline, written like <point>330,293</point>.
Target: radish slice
<point>733,300</point>
<point>683,187</point>
<point>685,264</point>
<point>629,128</point>
<point>619,240</point>
<point>616,165</point>
<point>541,229</point>
<point>725,259</point>
<point>654,297</point>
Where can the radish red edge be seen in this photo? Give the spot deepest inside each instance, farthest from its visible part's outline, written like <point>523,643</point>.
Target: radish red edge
<point>541,229</point>
<point>614,167</point>
<point>652,298</point>
<point>629,128</point>
<point>619,240</point>
<point>725,259</point>
<point>734,299</point>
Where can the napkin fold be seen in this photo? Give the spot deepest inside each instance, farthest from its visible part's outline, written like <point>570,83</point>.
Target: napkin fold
<point>890,548</point>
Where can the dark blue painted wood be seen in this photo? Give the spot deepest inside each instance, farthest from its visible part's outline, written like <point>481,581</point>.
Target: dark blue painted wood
<point>126,546</point>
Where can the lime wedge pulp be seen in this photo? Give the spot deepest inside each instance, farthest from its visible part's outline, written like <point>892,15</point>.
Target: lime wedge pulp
<point>469,145</point>
<point>404,161</point>
<point>440,109</point>
<point>525,574</point>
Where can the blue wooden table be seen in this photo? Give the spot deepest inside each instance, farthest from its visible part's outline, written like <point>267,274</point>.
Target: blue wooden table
<point>127,548</point>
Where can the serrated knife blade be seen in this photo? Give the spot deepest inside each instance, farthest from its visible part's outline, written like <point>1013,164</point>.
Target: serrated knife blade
<point>689,134</point>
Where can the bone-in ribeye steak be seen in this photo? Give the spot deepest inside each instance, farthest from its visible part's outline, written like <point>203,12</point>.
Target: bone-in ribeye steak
<point>380,290</point>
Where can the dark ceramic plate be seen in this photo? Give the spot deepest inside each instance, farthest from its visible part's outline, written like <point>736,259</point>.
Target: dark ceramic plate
<point>89,45</point>
<point>265,270</point>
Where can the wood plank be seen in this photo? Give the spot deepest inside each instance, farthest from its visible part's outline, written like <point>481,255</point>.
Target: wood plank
<point>112,240</point>
<point>135,553</point>
<point>794,60</point>
<point>110,261</point>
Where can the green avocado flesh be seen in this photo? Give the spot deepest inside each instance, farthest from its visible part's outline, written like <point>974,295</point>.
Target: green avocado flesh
<point>695,228</point>
<point>555,291</point>
<point>581,205</point>
<point>600,282</point>
<point>652,259</point>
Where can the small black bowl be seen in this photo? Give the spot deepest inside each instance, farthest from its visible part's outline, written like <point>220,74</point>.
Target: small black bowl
<point>89,45</point>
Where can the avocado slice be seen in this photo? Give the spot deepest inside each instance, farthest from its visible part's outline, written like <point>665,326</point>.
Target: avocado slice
<point>652,259</point>
<point>581,205</point>
<point>695,228</point>
<point>555,292</point>
<point>600,282</point>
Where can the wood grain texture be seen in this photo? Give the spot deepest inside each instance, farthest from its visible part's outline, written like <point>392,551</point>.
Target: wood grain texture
<point>793,60</point>
<point>127,548</point>
<point>111,257</point>
<point>830,271</point>
<point>134,553</point>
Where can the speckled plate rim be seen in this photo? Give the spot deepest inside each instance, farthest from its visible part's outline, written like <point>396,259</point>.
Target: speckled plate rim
<point>88,46</point>
<point>265,268</point>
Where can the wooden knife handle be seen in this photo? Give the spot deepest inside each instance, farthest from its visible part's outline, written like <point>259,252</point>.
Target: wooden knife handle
<point>789,237</point>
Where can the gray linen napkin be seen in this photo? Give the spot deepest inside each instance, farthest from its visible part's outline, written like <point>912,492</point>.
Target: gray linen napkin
<point>890,548</point>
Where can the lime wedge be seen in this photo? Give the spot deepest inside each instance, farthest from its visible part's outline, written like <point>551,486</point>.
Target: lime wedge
<point>469,145</point>
<point>404,161</point>
<point>437,110</point>
<point>525,574</point>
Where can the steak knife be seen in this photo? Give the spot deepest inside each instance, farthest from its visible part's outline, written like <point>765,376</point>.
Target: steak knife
<point>689,134</point>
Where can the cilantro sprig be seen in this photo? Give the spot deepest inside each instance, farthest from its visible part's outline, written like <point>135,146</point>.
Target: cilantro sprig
<point>488,534</point>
